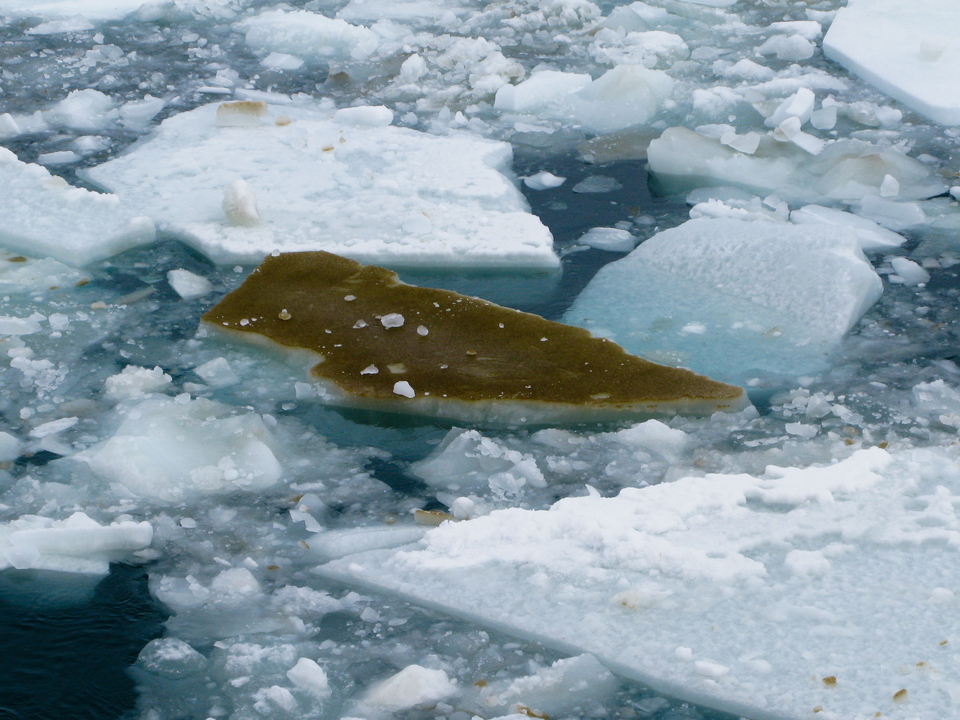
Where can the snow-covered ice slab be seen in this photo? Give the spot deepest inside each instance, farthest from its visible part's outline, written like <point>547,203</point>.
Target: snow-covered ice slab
<point>42,216</point>
<point>346,182</point>
<point>90,9</point>
<point>730,298</point>
<point>827,590</point>
<point>909,50</point>
<point>77,544</point>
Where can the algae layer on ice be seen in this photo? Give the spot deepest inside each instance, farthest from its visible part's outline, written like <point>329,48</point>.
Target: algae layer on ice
<point>379,343</point>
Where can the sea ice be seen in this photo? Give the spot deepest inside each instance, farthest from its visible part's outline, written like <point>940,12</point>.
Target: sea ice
<point>169,450</point>
<point>188,285</point>
<point>307,34</point>
<point>41,215</point>
<point>732,569</point>
<point>908,50</point>
<point>77,544</point>
<point>92,10</point>
<point>869,233</point>
<point>19,274</point>
<point>382,194</point>
<point>765,297</point>
<point>411,686</point>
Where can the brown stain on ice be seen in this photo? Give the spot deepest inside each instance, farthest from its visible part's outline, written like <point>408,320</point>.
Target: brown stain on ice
<point>474,351</point>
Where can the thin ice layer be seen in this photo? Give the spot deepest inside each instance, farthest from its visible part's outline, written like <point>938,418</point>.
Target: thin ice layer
<point>380,343</point>
<point>909,50</point>
<point>731,297</point>
<point>346,183</point>
<point>823,590</point>
<point>42,216</point>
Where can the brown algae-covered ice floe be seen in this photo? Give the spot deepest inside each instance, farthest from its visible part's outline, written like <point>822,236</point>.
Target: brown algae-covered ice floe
<point>377,343</point>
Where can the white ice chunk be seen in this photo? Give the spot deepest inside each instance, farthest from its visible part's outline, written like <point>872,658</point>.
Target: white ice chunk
<point>539,91</point>
<point>404,389</point>
<point>58,157</point>
<point>909,272</point>
<point>188,285</point>
<point>606,238</point>
<point>170,451</point>
<point>733,643</point>
<point>77,23</point>
<point>240,204</point>
<point>543,181</point>
<point>771,296</point>
<point>412,69</point>
<point>890,187</point>
<point>558,690</point>
<point>871,235</point>
<point>40,214</point>
<point>392,320</point>
<point>337,544</point>
<point>364,116</point>
<point>412,686</point>
<point>891,213</point>
<point>799,105</point>
<point>309,676</point>
<point>911,52</point>
<point>217,373</point>
<point>11,325</point>
<point>92,10</point>
<point>624,96</point>
<point>788,47</point>
<point>84,110</point>
<point>9,447</point>
<point>77,544</point>
<point>747,143</point>
<point>281,61</point>
<point>308,35</point>
<point>137,114</point>
<point>324,185</point>
<point>135,382</point>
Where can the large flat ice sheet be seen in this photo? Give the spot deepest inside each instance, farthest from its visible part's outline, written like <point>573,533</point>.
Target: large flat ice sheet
<point>827,590</point>
<point>730,298</point>
<point>909,49</point>
<point>346,182</point>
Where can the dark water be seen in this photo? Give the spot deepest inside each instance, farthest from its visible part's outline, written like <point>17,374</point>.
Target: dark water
<point>64,657</point>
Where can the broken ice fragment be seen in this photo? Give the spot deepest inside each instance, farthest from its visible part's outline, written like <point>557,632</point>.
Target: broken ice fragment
<point>242,113</point>
<point>479,361</point>
<point>240,204</point>
<point>392,320</point>
<point>187,284</point>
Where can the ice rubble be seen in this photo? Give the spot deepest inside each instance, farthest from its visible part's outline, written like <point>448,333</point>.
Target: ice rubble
<point>333,182</point>
<point>42,216</point>
<point>77,544</point>
<point>171,450</point>
<point>730,298</point>
<point>908,50</point>
<point>709,588</point>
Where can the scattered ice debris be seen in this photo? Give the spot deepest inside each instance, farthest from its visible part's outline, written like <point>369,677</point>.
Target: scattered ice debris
<point>412,686</point>
<point>762,552</point>
<point>319,178</point>
<point>612,239</point>
<point>575,376</point>
<point>759,312</point>
<point>76,544</point>
<point>41,215</point>
<point>240,204</point>
<point>170,451</point>
<point>939,400</point>
<point>135,382</point>
<point>907,51</point>
<point>188,285</point>
<point>543,181</point>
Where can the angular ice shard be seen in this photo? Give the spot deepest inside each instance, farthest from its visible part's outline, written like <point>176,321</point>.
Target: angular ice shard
<point>77,544</point>
<point>764,596</point>
<point>729,298</point>
<point>845,170</point>
<point>375,194</point>
<point>909,50</point>
<point>42,216</point>
<point>476,361</point>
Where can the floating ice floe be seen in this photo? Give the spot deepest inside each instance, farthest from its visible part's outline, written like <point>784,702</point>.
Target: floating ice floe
<point>77,544</point>
<point>307,34</point>
<point>458,357</point>
<point>345,182</point>
<point>172,449</point>
<point>19,274</point>
<point>42,216</point>
<point>729,298</point>
<point>761,596</point>
<point>846,170</point>
<point>910,51</point>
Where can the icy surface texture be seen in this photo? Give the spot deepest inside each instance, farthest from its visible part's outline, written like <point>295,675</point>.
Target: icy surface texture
<point>910,52</point>
<point>709,587</point>
<point>382,194</point>
<point>42,216</point>
<point>729,298</point>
